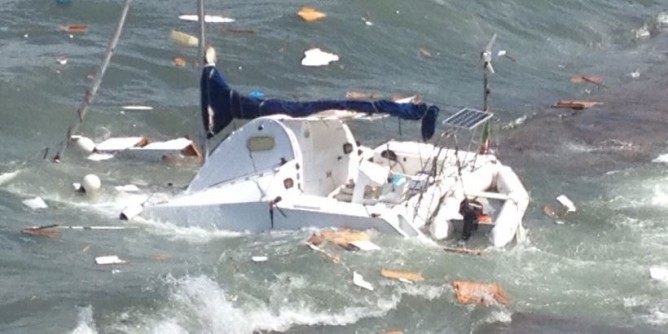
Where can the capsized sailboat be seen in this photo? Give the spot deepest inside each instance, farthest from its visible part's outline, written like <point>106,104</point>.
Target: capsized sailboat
<point>297,164</point>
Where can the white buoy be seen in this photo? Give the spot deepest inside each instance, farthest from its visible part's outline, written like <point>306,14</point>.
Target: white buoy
<point>84,143</point>
<point>91,183</point>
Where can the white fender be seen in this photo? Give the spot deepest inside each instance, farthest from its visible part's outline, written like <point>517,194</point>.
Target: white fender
<point>512,211</point>
<point>441,227</point>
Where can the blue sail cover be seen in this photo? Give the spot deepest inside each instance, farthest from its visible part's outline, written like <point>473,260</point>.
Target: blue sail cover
<point>227,104</point>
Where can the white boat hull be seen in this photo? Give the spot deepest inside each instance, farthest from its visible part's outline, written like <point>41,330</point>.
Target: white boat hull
<point>279,173</point>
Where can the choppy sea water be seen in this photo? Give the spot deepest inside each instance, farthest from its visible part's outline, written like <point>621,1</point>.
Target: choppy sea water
<point>587,275</point>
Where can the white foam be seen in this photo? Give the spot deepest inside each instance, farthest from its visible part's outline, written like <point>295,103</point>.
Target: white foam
<point>663,158</point>
<point>191,234</point>
<point>6,177</point>
<point>199,304</point>
<point>658,316</point>
<point>85,324</point>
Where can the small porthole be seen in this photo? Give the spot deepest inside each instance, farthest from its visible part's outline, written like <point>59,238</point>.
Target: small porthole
<point>260,143</point>
<point>347,148</point>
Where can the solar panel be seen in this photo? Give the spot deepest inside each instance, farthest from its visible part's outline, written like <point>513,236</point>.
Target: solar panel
<point>467,118</point>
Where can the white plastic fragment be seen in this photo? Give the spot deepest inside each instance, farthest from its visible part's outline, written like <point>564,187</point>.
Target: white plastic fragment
<point>259,258</point>
<point>35,203</point>
<point>109,259</point>
<point>128,188</point>
<point>365,245</point>
<point>131,211</point>
<point>409,99</point>
<point>207,18</point>
<point>100,156</point>
<point>119,143</point>
<point>137,108</point>
<point>317,57</point>
<point>659,273</point>
<point>359,281</point>
<point>566,202</point>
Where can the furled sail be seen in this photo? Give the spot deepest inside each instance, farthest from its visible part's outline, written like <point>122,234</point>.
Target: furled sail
<point>221,104</point>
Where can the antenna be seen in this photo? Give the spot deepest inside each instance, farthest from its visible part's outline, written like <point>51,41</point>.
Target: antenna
<point>486,57</point>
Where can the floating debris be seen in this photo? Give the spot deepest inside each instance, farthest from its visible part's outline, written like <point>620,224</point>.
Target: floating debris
<point>86,248</point>
<point>35,203</point>
<point>576,104</point>
<point>403,276</point>
<point>120,143</point>
<point>184,39</point>
<point>131,211</point>
<point>464,250</point>
<point>642,33</point>
<point>238,31</point>
<point>567,203</point>
<point>74,28</point>
<point>207,18</point>
<point>42,231</point>
<point>110,259</point>
<point>659,273</point>
<point>362,95</point>
<point>310,14</point>
<point>468,292</point>
<point>61,60</point>
<point>137,108</point>
<point>257,259</point>
<point>365,245</point>
<point>359,281</point>
<point>128,188</point>
<point>342,238</point>
<point>179,62</point>
<point>317,57</point>
<point>587,79</point>
<point>425,53</point>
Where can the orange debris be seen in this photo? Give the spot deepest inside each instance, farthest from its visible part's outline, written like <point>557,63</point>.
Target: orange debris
<point>179,62</point>
<point>74,28</point>
<point>310,14</point>
<point>393,331</point>
<point>362,95</point>
<point>41,232</point>
<point>587,78</point>
<point>425,53</point>
<point>402,275</point>
<point>341,237</point>
<point>463,250</point>
<point>576,104</point>
<point>468,292</point>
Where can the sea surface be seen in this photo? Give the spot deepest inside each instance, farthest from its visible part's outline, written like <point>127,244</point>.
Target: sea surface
<point>585,273</point>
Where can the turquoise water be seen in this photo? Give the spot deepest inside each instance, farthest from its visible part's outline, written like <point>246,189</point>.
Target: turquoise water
<point>590,272</point>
